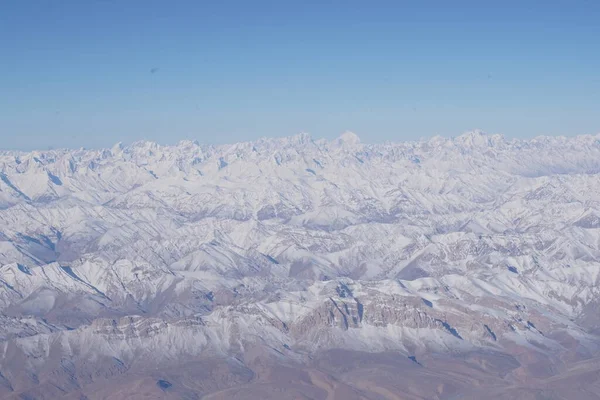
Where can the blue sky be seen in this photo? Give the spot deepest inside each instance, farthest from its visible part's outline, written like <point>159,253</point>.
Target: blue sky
<point>94,72</point>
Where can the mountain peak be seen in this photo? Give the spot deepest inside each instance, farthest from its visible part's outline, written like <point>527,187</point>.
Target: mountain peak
<point>473,134</point>
<point>478,138</point>
<point>301,138</point>
<point>117,148</point>
<point>348,137</point>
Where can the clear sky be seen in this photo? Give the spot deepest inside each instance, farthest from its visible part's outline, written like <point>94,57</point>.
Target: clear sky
<point>94,72</point>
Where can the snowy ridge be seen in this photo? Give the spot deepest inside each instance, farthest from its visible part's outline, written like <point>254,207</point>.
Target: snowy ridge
<point>299,245</point>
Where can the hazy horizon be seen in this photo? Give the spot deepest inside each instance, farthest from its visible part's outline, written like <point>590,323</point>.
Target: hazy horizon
<point>95,73</point>
<point>363,139</point>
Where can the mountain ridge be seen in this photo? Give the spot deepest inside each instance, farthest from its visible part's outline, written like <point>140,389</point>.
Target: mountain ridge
<point>278,251</point>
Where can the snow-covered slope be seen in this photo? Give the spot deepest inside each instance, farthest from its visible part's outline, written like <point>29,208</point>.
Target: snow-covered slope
<point>145,253</point>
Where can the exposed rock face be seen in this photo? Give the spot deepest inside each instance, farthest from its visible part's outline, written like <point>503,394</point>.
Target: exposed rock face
<point>325,268</point>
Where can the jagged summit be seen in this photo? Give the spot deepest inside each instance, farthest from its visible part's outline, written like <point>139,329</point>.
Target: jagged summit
<point>117,148</point>
<point>479,138</point>
<point>300,138</point>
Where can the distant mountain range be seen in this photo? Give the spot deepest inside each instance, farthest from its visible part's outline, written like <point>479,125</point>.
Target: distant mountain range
<point>440,269</point>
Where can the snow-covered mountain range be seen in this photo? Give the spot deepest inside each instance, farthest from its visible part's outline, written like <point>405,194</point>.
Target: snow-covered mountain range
<point>121,261</point>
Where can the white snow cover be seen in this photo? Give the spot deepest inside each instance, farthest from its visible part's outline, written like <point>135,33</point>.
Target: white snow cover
<point>440,244</point>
